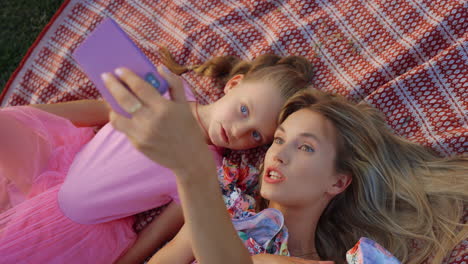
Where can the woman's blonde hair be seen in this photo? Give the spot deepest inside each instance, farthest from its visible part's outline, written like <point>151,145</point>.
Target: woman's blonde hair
<point>290,73</point>
<point>402,194</point>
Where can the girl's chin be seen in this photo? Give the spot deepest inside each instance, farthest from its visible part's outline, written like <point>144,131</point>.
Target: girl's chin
<point>211,141</point>
<point>223,144</point>
<point>219,143</point>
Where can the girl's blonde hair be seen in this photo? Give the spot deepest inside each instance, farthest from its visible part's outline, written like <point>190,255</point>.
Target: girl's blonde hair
<point>290,73</point>
<point>402,194</point>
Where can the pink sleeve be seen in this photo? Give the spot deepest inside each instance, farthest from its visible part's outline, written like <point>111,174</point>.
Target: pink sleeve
<point>110,179</point>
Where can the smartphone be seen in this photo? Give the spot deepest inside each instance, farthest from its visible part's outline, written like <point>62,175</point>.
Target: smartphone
<point>108,47</point>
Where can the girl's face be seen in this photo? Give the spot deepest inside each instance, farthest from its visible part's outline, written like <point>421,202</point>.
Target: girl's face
<point>246,117</point>
<point>299,166</point>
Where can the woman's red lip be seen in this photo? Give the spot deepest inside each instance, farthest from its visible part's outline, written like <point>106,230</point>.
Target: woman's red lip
<point>267,178</point>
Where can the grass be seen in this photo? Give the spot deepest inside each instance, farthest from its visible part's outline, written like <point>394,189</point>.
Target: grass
<point>21,21</point>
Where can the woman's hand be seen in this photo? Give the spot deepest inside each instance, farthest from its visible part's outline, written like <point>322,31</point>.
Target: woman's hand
<point>163,130</point>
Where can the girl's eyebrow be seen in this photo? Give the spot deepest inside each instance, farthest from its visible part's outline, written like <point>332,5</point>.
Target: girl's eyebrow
<point>249,104</point>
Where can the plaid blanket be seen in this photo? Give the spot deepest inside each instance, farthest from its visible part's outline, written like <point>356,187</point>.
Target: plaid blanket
<point>408,58</point>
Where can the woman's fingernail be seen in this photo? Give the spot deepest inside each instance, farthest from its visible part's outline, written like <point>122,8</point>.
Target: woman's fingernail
<point>105,76</point>
<point>119,71</point>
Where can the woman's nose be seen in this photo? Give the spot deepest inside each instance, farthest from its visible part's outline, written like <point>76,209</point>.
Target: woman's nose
<point>281,156</point>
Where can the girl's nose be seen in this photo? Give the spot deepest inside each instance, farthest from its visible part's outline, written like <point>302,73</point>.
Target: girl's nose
<point>240,130</point>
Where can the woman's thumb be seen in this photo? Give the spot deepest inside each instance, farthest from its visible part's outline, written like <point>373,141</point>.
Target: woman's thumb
<point>175,83</point>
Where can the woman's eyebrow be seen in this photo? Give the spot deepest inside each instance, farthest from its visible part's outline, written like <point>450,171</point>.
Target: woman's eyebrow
<point>310,135</point>
<point>305,134</point>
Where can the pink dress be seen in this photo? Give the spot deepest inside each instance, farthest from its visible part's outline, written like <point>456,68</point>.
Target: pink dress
<point>54,177</point>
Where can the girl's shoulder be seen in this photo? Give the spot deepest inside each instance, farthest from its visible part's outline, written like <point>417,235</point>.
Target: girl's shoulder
<point>238,183</point>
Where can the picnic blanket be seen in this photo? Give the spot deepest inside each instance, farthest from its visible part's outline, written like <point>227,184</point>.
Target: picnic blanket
<point>408,58</point>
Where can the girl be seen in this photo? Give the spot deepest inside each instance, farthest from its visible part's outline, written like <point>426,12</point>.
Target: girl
<point>74,201</point>
<point>335,173</point>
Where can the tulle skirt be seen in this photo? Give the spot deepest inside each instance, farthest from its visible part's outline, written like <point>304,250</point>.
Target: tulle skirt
<point>36,151</point>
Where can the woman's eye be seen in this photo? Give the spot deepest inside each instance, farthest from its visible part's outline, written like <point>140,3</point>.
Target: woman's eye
<point>244,110</point>
<point>256,136</point>
<point>306,148</point>
<point>278,140</point>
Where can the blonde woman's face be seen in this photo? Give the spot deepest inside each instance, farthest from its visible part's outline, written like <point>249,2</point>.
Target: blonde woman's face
<point>246,117</point>
<point>299,166</point>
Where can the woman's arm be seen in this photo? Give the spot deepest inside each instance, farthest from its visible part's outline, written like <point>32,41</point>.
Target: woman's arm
<point>179,250</point>
<point>214,239</point>
<point>80,113</point>
<point>276,259</point>
<point>153,236</point>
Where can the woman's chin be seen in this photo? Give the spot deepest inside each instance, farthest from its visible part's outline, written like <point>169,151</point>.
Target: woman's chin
<point>266,193</point>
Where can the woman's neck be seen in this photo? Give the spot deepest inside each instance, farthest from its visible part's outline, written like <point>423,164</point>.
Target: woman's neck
<point>201,114</point>
<point>301,223</point>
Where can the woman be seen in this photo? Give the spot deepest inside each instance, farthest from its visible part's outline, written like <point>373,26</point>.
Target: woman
<point>335,172</point>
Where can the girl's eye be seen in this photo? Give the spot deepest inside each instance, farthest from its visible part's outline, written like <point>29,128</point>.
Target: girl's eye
<point>306,148</point>
<point>278,140</point>
<point>244,110</point>
<point>256,136</point>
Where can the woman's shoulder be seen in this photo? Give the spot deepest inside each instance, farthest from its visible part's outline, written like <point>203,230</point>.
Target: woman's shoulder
<point>263,232</point>
<point>367,251</point>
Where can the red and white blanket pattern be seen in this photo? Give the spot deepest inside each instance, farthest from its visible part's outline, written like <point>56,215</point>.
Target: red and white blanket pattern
<point>408,58</point>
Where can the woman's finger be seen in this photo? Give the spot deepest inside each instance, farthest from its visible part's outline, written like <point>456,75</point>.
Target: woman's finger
<point>124,98</point>
<point>121,123</point>
<point>176,85</point>
<point>144,91</point>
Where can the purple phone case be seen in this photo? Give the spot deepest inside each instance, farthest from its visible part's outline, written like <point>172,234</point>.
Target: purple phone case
<point>108,48</point>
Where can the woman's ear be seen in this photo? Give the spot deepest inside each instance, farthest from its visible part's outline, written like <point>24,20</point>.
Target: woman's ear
<point>342,181</point>
<point>233,82</point>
